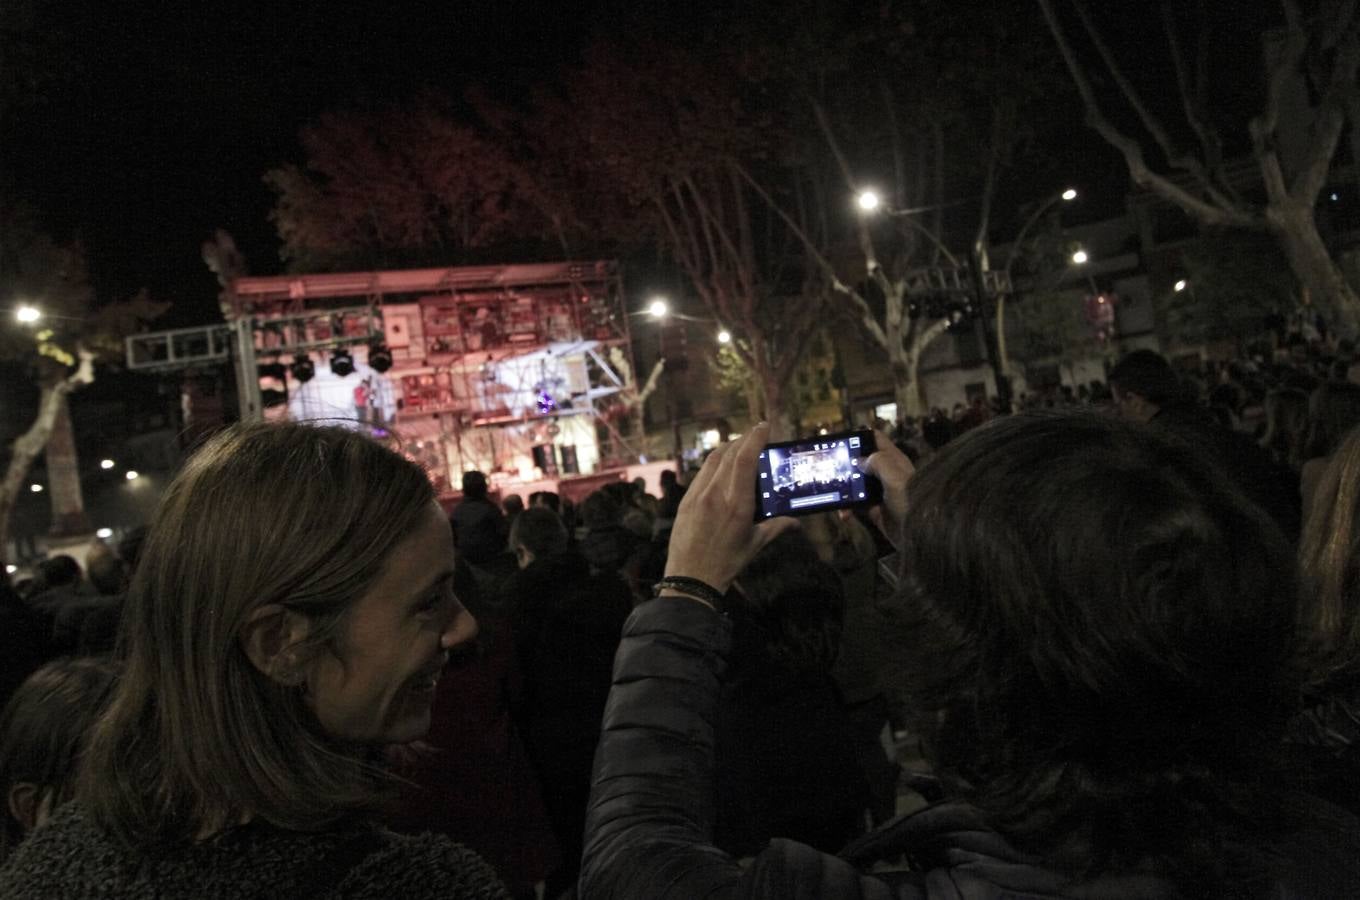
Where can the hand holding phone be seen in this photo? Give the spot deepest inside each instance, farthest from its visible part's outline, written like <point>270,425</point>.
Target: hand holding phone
<point>816,474</point>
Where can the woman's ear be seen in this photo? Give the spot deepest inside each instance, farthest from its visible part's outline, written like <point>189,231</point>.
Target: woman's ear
<point>270,639</point>
<point>23,799</point>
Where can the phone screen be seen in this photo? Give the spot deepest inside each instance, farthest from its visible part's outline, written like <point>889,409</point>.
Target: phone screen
<point>815,475</point>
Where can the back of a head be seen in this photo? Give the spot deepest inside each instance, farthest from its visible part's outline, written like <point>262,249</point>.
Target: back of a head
<point>1095,632</point>
<point>57,571</point>
<point>1147,374</point>
<point>546,498</point>
<point>474,485</point>
<point>793,603</point>
<point>1333,410</point>
<point>299,516</point>
<point>540,531</point>
<point>601,510</point>
<point>1329,561</point>
<point>106,571</point>
<point>42,731</point>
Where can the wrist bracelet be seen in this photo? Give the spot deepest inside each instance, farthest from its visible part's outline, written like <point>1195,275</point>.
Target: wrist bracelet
<point>691,587</point>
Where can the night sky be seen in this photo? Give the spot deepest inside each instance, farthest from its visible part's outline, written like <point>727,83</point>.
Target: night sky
<point>174,111</point>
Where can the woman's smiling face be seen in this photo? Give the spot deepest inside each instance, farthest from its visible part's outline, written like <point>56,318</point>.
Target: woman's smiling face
<point>378,686</point>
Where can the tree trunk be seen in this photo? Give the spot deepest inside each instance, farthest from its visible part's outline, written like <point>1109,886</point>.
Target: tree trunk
<point>781,426</point>
<point>909,402</point>
<point>28,445</point>
<point>63,475</point>
<point>1297,233</point>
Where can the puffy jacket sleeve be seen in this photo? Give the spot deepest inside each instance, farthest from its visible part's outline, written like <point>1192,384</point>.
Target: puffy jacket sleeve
<point>649,824</point>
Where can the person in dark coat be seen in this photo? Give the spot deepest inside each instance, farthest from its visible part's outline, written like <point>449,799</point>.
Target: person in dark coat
<point>1146,389</point>
<point>786,756</point>
<point>1099,630</point>
<point>479,527</point>
<point>567,624</point>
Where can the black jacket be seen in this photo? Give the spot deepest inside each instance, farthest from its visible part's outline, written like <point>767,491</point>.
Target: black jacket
<point>650,822</point>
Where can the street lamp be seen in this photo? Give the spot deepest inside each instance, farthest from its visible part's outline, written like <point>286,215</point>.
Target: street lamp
<point>35,488</point>
<point>28,314</point>
<point>724,337</point>
<point>868,201</point>
<point>1069,195</point>
<point>1080,258</point>
<point>132,475</point>
<point>106,464</point>
<point>658,309</point>
<point>1180,285</point>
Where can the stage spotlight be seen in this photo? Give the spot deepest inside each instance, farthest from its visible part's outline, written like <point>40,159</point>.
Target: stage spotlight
<point>302,368</point>
<point>342,362</point>
<point>379,357</point>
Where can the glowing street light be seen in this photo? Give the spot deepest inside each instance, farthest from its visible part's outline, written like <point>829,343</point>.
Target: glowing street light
<point>104,534</point>
<point>1080,257</point>
<point>28,314</point>
<point>106,464</point>
<point>724,337</point>
<point>1070,194</point>
<point>868,201</point>
<point>36,488</point>
<point>1181,285</point>
<point>132,475</point>
<point>658,309</point>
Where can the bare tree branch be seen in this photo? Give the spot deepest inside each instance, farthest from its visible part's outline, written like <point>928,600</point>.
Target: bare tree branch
<point>1192,96</point>
<point>1207,213</point>
<point>1331,112</point>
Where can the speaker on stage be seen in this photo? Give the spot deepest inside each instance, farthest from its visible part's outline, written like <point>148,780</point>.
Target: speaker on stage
<point>545,458</point>
<point>569,464</point>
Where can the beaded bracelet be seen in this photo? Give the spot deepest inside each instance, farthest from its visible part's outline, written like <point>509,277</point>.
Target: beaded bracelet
<point>691,587</point>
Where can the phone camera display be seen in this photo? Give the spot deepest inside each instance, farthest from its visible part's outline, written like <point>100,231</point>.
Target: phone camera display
<point>814,475</point>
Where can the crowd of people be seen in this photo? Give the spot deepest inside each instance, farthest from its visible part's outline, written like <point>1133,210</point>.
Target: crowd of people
<point>1120,628</point>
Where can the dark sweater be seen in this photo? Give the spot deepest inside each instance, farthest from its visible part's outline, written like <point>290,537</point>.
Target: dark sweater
<point>70,857</point>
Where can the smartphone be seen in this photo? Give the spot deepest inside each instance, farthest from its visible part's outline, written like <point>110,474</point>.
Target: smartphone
<point>816,474</point>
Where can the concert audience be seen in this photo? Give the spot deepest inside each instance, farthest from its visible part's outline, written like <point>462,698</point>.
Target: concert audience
<point>290,617</point>
<point>1100,629</point>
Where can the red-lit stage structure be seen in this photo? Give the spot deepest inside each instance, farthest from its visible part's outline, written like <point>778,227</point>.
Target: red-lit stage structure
<point>521,371</point>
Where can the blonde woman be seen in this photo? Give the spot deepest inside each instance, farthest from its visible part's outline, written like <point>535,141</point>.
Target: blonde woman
<point>290,617</point>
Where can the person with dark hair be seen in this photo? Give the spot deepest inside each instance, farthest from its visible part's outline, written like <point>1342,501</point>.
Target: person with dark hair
<point>479,527</point>
<point>548,499</point>
<point>42,732</point>
<point>567,621</point>
<point>1098,633</point>
<point>512,506</point>
<point>1142,383</point>
<point>784,753</point>
<point>289,620</point>
<point>607,545</point>
<point>537,534</point>
<point>1147,391</point>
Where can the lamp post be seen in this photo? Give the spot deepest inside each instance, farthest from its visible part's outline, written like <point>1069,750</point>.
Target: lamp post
<point>659,310</point>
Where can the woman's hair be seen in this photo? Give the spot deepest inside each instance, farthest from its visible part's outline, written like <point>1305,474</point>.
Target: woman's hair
<point>1333,410</point>
<point>43,729</point>
<point>196,736</point>
<point>1329,559</point>
<point>1096,632</point>
<point>791,605</point>
<point>1286,426</point>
